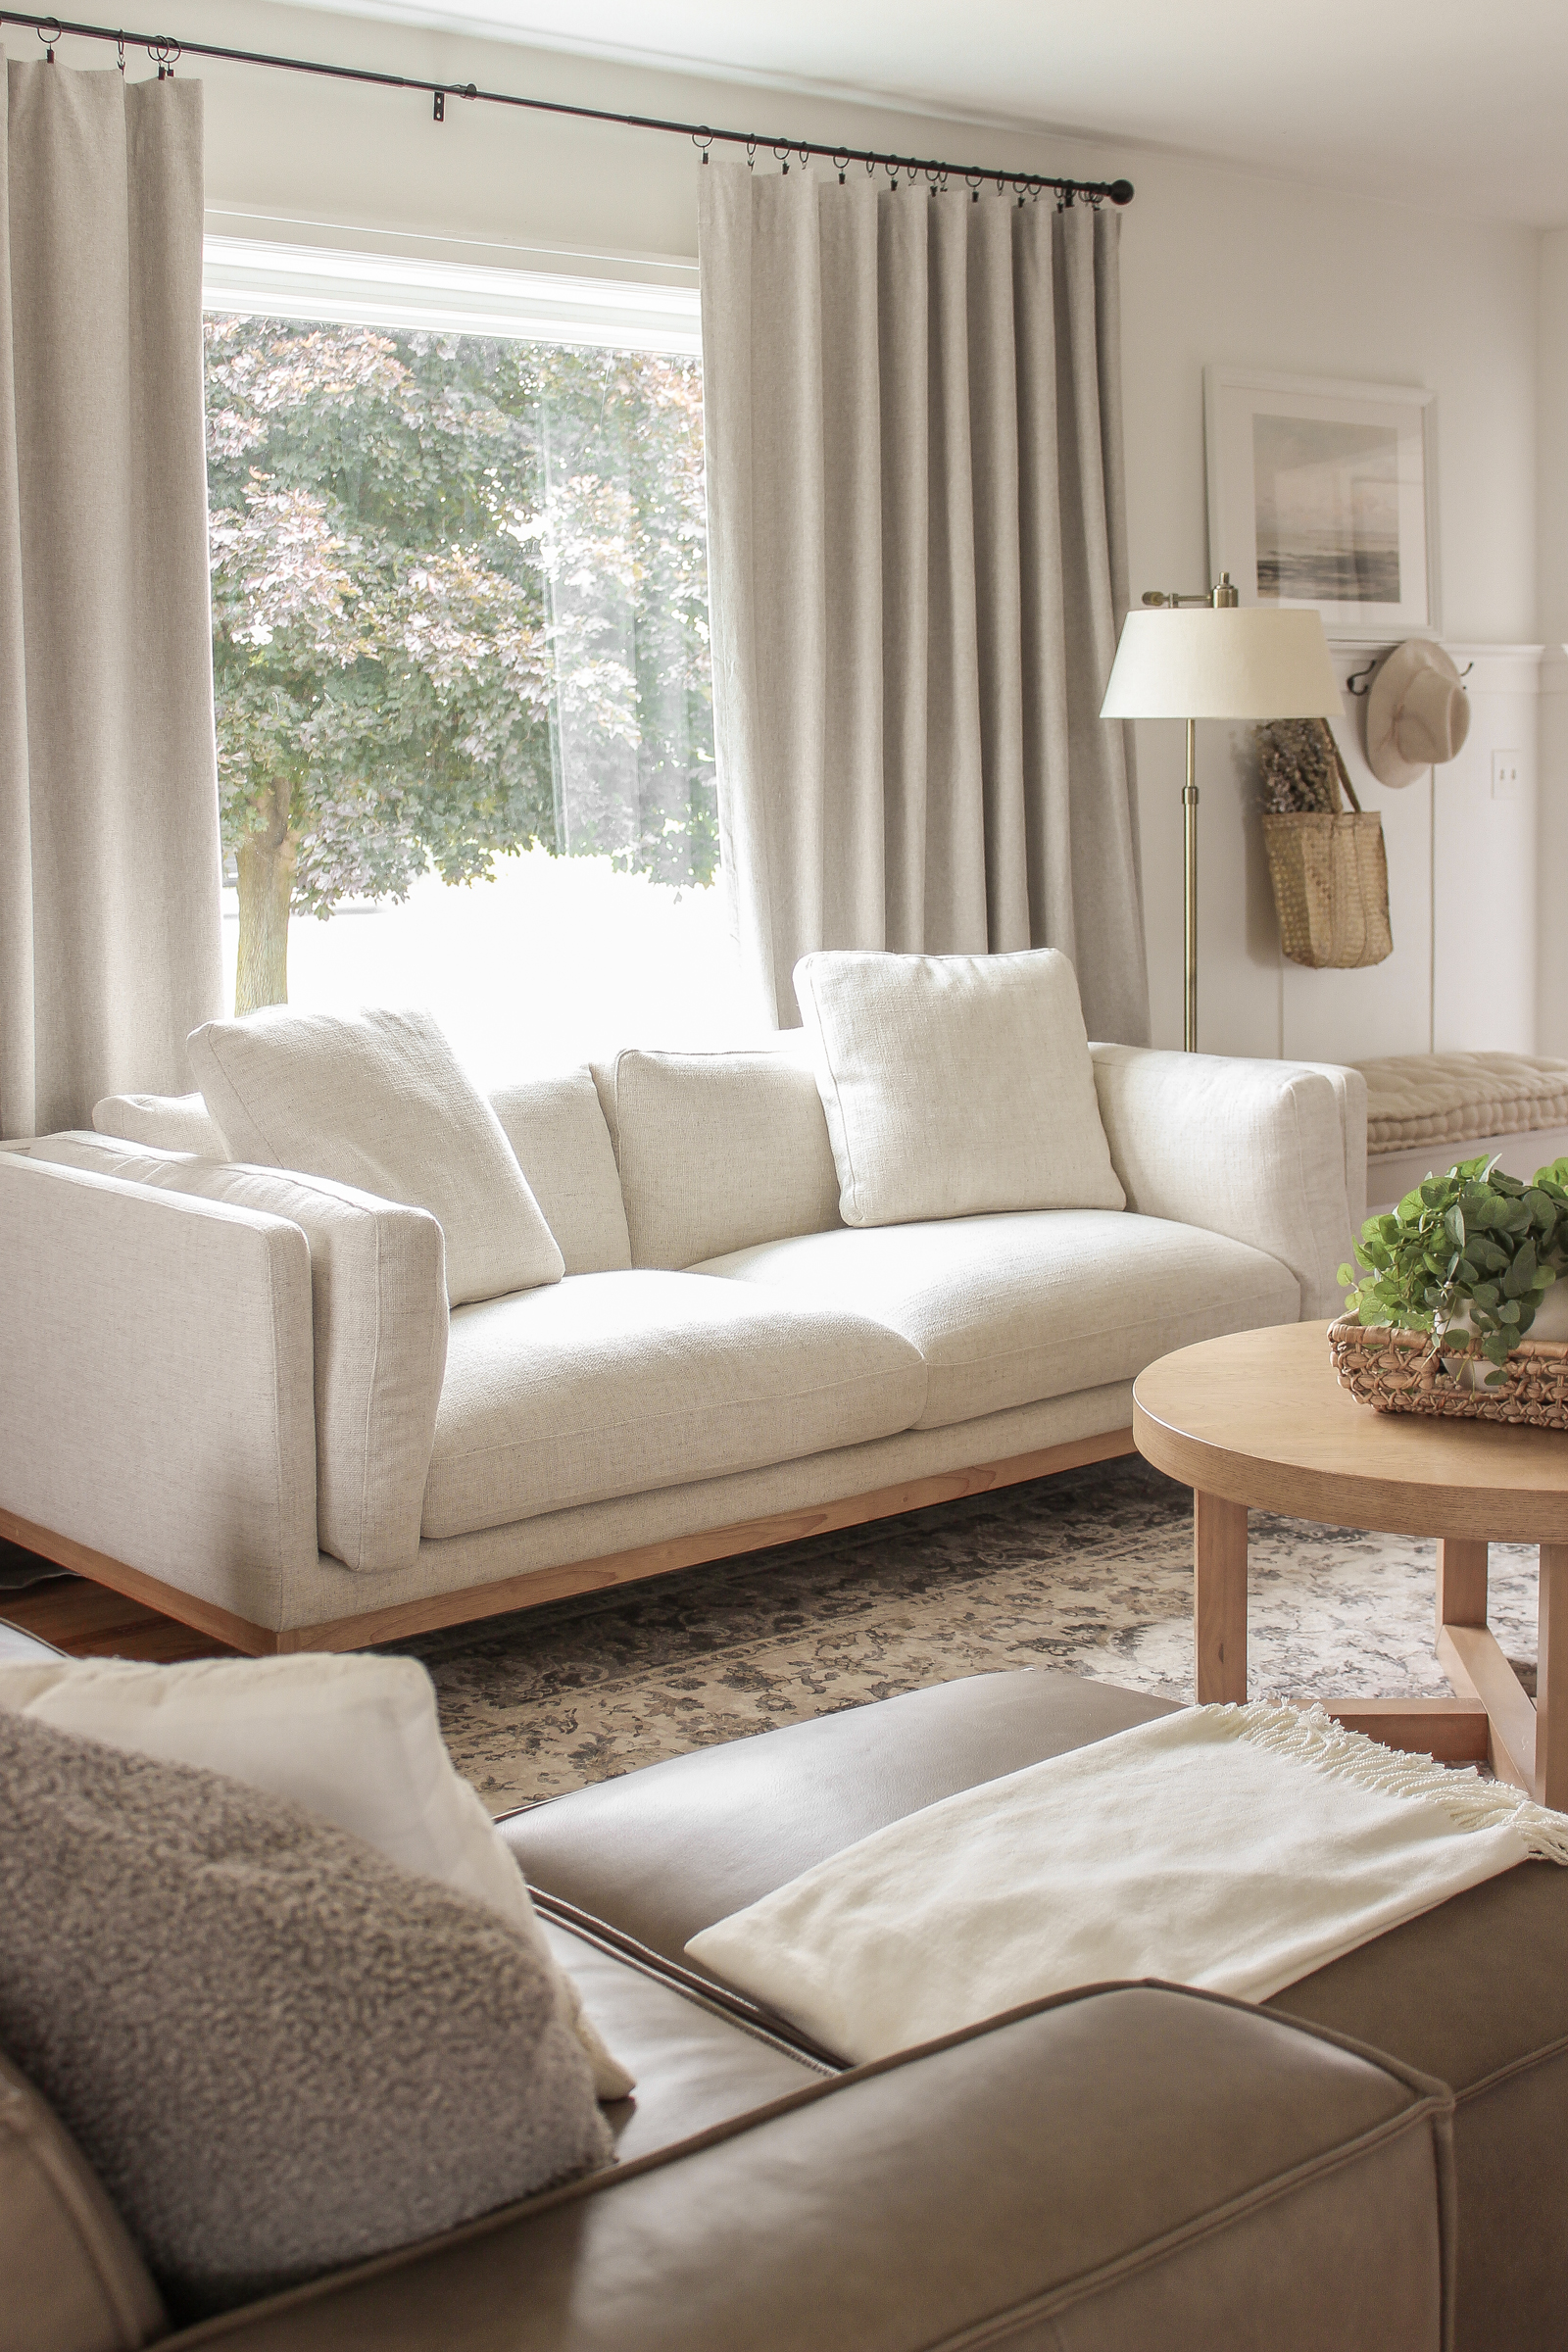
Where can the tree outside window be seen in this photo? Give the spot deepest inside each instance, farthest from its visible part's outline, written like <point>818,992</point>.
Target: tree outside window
<point>460,607</point>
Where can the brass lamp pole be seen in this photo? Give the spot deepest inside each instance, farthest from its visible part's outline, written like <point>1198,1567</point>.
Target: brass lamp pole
<point>1217,662</point>
<point>1220,599</point>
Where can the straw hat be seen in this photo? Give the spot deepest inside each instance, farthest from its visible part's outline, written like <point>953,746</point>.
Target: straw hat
<point>1417,712</point>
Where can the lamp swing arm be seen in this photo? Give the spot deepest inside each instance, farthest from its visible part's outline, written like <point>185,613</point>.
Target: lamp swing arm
<point>165,51</point>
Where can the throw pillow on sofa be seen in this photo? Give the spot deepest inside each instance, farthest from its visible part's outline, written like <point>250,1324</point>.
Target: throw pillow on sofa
<point>379,1100</point>
<point>956,1086</point>
<point>354,1740</point>
<point>278,2051</point>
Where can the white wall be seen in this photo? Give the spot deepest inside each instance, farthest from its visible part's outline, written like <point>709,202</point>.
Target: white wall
<point>1552,572</point>
<point>1217,265</point>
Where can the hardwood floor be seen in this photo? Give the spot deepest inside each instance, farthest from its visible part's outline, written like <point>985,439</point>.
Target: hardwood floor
<point>90,1622</point>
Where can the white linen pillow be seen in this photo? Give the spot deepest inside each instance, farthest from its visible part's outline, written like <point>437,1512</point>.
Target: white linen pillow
<point>377,1099</point>
<point>956,1086</point>
<point>354,1738</point>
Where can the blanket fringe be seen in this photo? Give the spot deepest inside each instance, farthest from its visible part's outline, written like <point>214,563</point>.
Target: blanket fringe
<point>1307,1736</point>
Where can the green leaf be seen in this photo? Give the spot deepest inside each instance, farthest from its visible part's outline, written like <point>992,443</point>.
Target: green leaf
<point>1521,1274</point>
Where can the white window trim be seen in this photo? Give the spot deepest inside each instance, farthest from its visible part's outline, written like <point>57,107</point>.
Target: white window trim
<point>394,290</point>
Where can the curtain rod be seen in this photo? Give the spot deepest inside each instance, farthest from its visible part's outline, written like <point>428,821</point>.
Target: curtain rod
<point>165,52</point>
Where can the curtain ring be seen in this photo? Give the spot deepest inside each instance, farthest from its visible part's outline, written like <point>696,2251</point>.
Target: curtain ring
<point>166,55</point>
<point>120,52</point>
<point>49,32</point>
<point>840,163</point>
<point>751,155</point>
<point>702,140</point>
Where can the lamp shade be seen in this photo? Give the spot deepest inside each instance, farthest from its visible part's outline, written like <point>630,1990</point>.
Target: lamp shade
<point>1239,663</point>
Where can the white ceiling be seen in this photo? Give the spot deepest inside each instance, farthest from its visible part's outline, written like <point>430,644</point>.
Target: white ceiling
<point>1437,102</point>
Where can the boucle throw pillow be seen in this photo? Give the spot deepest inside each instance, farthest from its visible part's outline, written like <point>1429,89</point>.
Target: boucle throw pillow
<point>278,2052</point>
<point>354,1738</point>
<point>955,1085</point>
<point>379,1100</point>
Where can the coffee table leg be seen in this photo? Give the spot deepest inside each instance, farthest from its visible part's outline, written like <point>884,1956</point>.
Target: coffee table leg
<point>1552,1680</point>
<point>1461,1582</point>
<point>1219,1599</point>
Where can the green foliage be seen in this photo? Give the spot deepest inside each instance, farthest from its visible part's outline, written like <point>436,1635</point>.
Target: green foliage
<point>1475,1244</point>
<point>438,562</point>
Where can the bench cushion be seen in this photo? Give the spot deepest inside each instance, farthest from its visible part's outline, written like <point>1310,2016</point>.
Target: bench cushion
<point>1419,1099</point>
<point>1010,1311</point>
<point>615,1384</point>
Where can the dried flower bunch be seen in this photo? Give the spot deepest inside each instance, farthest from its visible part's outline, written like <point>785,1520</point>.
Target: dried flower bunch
<point>1298,758</point>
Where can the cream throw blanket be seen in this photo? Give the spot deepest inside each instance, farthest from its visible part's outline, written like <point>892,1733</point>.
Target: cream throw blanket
<point>1237,1848</point>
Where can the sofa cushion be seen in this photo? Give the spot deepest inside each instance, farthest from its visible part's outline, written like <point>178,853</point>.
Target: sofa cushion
<point>557,1130</point>
<point>73,2280</point>
<point>379,1100</point>
<point>1010,1311</point>
<point>169,1122</point>
<point>718,1150</point>
<point>378,1329</point>
<point>278,2050</point>
<point>611,1383</point>
<point>955,1084</point>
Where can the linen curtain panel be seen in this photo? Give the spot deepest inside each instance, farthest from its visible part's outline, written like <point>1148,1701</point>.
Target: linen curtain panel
<point>110,902</point>
<point>917,571</point>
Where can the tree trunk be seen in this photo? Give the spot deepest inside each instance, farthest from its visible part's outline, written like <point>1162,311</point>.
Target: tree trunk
<point>266,860</point>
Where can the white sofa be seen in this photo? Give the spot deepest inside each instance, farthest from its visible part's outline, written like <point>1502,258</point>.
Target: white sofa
<point>241,1394</point>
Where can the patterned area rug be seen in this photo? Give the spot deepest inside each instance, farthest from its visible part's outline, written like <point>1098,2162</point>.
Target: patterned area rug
<point>1089,1571</point>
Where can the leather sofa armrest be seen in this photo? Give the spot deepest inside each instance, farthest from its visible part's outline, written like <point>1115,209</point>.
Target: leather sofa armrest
<point>1125,2170</point>
<point>155,1382</point>
<point>1264,1152</point>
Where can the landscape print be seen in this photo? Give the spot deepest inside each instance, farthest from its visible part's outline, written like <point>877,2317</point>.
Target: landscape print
<point>1327,506</point>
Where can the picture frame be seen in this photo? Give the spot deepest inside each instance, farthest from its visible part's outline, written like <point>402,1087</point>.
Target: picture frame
<point>1323,493</point>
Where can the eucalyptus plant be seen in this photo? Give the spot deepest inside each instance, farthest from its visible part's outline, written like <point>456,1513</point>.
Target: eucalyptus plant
<point>1472,1246</point>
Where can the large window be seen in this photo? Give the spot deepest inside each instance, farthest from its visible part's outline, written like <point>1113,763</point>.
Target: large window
<point>461,659</point>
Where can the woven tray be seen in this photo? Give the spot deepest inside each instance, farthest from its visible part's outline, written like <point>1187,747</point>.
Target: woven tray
<point>1395,1372</point>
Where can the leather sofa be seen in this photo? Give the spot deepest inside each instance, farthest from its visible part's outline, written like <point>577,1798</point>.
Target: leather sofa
<point>1374,2160</point>
<point>239,1395</point>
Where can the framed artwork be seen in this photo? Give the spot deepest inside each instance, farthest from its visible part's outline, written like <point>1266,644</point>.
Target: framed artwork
<point>1324,493</point>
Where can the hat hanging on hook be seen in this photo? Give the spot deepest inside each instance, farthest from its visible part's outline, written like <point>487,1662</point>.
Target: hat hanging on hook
<point>1417,712</point>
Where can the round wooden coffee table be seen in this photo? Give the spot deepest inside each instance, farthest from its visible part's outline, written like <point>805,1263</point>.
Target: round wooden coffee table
<point>1259,1418</point>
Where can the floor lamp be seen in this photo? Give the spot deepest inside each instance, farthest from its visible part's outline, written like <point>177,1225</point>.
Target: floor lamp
<point>1216,662</point>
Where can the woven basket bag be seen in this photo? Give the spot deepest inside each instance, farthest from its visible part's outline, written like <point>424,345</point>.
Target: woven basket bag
<point>1331,880</point>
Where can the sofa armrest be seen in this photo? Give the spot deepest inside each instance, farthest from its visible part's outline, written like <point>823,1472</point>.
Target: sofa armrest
<point>155,1382</point>
<point>1259,1151</point>
<point>1122,2171</point>
<point>379,1321</point>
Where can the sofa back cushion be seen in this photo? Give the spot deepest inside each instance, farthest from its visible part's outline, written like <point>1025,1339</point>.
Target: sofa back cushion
<point>73,2280</point>
<point>377,1099</point>
<point>169,1122</point>
<point>280,2051</point>
<point>955,1086</point>
<point>557,1130</point>
<point>378,1322</point>
<point>719,1151</point>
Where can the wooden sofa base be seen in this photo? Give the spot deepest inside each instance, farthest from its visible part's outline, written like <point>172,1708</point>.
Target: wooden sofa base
<point>535,1585</point>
